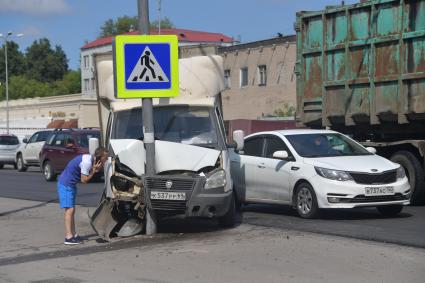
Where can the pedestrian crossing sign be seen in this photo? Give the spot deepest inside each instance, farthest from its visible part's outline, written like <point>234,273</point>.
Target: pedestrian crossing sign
<point>146,66</point>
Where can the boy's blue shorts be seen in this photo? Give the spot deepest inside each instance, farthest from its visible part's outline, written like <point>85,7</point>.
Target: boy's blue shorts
<point>66,196</point>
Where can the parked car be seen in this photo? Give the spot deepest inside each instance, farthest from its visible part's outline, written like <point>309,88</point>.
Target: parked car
<point>315,169</point>
<point>8,146</point>
<point>63,145</point>
<point>28,153</point>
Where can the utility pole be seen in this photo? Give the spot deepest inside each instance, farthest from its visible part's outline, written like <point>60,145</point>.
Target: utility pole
<point>159,16</point>
<point>148,129</point>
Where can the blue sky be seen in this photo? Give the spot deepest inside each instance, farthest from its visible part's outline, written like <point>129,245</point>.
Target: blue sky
<point>69,23</point>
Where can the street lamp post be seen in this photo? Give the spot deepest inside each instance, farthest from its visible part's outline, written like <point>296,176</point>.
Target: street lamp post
<point>5,37</point>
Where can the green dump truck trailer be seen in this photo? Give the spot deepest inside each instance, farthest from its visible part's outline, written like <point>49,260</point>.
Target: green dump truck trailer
<point>361,71</point>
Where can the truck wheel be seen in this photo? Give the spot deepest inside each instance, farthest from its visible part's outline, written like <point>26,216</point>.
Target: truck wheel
<point>414,172</point>
<point>228,220</point>
<point>390,210</point>
<point>48,172</point>
<point>306,201</point>
<point>20,164</point>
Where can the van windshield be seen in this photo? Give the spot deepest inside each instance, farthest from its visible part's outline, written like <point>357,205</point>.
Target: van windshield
<point>182,124</point>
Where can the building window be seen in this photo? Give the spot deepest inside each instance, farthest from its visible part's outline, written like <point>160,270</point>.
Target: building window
<point>93,86</point>
<point>244,77</point>
<point>86,61</point>
<point>262,75</point>
<point>86,84</point>
<point>227,79</point>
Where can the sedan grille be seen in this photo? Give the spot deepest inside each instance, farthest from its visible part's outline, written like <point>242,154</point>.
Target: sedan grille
<point>372,179</point>
<point>363,198</point>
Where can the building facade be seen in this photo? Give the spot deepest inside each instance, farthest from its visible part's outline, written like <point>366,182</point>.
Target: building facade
<point>102,45</point>
<point>260,79</point>
<point>31,114</point>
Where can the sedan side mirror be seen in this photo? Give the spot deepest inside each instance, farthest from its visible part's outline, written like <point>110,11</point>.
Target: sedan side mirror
<point>280,154</point>
<point>93,145</point>
<point>25,140</point>
<point>371,149</point>
<point>238,136</point>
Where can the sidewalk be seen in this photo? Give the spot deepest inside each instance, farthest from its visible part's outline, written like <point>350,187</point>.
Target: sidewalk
<point>30,226</point>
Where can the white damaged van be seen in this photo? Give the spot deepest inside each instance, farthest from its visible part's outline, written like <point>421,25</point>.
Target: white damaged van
<point>192,166</point>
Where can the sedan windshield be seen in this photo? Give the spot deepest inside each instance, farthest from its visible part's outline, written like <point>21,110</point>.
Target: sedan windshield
<point>325,145</point>
<point>182,124</point>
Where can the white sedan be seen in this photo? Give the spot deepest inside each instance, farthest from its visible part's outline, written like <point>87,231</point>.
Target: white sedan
<point>315,169</point>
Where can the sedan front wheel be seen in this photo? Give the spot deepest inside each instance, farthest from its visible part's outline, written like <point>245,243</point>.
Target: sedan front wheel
<point>306,201</point>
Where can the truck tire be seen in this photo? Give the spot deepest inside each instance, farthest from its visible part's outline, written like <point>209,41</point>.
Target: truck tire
<point>20,164</point>
<point>228,220</point>
<point>414,172</point>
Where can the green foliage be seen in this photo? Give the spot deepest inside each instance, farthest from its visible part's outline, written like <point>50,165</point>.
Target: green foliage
<point>42,71</point>
<point>125,24</point>
<point>15,60</point>
<point>165,23</point>
<point>45,64</point>
<point>285,111</point>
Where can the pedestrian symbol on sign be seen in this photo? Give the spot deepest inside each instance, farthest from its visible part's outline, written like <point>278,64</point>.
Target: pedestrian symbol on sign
<point>147,69</point>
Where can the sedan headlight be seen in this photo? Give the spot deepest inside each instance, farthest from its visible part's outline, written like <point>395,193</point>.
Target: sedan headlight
<point>333,174</point>
<point>216,180</point>
<point>401,173</point>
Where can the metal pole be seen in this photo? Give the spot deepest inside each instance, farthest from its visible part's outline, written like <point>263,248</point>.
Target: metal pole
<point>159,16</point>
<point>7,85</point>
<point>148,129</point>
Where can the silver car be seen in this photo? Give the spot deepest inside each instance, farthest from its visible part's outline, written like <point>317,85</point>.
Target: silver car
<point>9,144</point>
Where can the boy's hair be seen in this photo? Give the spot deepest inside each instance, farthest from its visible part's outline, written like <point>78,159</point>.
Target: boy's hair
<point>100,151</point>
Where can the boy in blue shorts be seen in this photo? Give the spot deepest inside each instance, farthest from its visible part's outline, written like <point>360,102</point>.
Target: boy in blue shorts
<point>81,168</point>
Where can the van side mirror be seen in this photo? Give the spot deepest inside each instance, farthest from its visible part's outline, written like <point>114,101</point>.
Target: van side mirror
<point>238,138</point>
<point>371,149</point>
<point>93,145</point>
<point>280,154</point>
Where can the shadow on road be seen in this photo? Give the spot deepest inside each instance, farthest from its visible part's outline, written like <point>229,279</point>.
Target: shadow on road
<point>28,207</point>
<point>326,214</point>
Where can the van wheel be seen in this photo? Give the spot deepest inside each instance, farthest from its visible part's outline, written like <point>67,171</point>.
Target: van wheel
<point>228,220</point>
<point>305,201</point>
<point>414,173</point>
<point>390,210</point>
<point>20,164</point>
<point>48,172</point>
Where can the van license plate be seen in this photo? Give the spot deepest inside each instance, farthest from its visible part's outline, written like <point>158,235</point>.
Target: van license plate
<point>379,191</point>
<point>168,195</point>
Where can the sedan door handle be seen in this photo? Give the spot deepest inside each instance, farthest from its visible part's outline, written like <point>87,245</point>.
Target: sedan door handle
<point>294,168</point>
<point>261,165</point>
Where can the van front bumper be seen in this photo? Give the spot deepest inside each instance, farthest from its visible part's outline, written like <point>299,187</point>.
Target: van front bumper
<point>198,202</point>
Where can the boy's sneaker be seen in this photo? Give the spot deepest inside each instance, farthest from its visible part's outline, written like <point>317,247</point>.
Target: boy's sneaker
<point>72,241</point>
<point>78,238</point>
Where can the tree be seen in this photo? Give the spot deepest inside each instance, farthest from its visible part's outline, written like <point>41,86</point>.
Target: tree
<point>45,64</point>
<point>125,24</point>
<point>70,84</point>
<point>15,61</point>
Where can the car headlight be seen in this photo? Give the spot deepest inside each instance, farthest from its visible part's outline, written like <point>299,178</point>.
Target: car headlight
<point>216,180</point>
<point>333,174</point>
<point>401,173</point>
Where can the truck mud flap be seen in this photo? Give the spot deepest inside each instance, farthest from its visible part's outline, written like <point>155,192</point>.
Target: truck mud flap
<point>102,221</point>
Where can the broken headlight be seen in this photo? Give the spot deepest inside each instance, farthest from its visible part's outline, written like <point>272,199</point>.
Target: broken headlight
<point>216,180</point>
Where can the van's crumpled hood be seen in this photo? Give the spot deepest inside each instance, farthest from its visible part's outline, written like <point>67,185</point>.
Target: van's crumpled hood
<point>363,163</point>
<point>169,156</point>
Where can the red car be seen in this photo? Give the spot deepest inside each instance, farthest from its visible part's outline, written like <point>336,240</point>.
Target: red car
<point>62,146</point>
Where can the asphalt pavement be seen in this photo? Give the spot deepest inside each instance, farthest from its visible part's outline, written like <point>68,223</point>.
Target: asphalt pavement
<point>367,224</point>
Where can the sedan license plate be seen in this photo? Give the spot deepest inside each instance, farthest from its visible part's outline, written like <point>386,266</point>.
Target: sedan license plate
<point>168,195</point>
<point>379,191</point>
